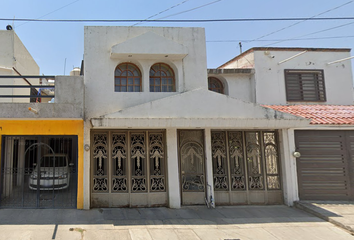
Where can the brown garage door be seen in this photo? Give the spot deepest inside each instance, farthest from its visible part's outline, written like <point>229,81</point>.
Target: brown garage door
<point>325,169</point>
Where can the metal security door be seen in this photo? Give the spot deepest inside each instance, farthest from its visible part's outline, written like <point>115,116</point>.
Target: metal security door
<point>38,172</point>
<point>128,169</point>
<point>192,168</point>
<point>324,169</point>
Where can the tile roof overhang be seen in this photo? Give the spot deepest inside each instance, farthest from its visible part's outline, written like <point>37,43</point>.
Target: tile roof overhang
<point>320,114</point>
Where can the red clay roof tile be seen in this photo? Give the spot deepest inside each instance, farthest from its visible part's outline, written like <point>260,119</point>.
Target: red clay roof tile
<point>320,114</point>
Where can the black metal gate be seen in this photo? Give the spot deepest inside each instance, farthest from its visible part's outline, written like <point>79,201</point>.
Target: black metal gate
<point>38,172</point>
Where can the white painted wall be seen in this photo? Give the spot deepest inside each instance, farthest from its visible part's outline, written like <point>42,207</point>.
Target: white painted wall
<point>270,82</point>
<point>15,55</point>
<point>100,64</point>
<point>239,86</point>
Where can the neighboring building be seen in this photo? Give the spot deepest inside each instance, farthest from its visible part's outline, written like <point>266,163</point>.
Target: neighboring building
<point>316,84</point>
<point>16,60</point>
<point>31,130</point>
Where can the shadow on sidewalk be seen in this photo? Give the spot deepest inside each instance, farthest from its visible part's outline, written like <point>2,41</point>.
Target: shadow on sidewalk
<point>157,216</point>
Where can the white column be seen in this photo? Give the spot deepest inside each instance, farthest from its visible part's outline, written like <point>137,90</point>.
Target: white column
<point>288,163</point>
<point>87,165</point>
<point>209,166</point>
<point>174,193</point>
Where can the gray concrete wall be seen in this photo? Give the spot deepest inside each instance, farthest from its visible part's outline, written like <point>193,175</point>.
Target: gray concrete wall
<point>69,102</point>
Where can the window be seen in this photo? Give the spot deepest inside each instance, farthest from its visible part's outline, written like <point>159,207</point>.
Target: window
<point>215,85</point>
<point>305,85</point>
<point>127,78</point>
<point>162,78</point>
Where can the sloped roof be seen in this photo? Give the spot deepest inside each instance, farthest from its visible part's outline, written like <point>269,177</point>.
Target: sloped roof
<point>199,108</point>
<point>320,114</point>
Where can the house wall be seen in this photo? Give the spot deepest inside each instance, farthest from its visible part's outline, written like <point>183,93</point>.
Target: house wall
<point>101,99</point>
<point>240,86</point>
<point>50,127</point>
<point>6,62</point>
<point>15,55</point>
<point>270,81</point>
<point>69,102</point>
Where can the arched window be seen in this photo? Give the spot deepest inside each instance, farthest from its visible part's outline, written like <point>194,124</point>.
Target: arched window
<point>162,78</point>
<point>127,78</point>
<point>215,85</point>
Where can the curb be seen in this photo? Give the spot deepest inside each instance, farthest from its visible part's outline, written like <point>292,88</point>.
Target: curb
<point>318,212</point>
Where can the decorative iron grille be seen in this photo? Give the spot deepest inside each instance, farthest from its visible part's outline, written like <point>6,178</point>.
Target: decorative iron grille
<point>251,155</point>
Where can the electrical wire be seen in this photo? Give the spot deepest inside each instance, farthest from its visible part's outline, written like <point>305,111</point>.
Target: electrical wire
<point>324,30</point>
<point>177,20</point>
<point>162,12</point>
<point>319,14</point>
<point>175,14</point>
<point>264,40</point>
<point>50,12</point>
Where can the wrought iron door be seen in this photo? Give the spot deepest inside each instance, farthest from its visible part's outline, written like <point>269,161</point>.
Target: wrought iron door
<point>128,169</point>
<point>246,167</point>
<point>191,155</point>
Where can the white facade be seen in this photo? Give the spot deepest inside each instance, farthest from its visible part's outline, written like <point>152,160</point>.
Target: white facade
<point>192,108</point>
<point>269,65</point>
<point>15,60</point>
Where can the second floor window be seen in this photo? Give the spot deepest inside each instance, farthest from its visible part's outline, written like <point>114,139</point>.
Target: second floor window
<point>215,85</point>
<point>162,78</point>
<point>305,86</point>
<point>127,78</point>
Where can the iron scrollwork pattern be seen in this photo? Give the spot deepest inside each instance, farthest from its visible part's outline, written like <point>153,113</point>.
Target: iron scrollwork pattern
<point>236,161</point>
<point>271,160</point>
<point>157,156</point>
<point>119,162</point>
<point>138,162</point>
<point>192,161</point>
<point>218,148</point>
<point>253,152</point>
<point>100,178</point>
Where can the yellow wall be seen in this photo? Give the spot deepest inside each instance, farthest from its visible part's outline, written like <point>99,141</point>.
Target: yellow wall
<point>51,127</point>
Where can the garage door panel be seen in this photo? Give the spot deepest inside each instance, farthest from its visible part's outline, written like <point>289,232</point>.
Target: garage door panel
<point>324,167</point>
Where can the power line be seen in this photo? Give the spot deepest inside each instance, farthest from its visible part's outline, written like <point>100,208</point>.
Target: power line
<point>51,12</point>
<point>264,40</point>
<point>324,30</point>
<point>175,14</point>
<point>162,12</point>
<point>177,20</point>
<point>329,10</point>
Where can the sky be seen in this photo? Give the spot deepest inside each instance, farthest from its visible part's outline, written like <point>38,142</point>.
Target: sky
<point>57,47</point>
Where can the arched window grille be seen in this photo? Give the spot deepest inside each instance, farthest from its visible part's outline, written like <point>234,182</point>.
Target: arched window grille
<point>162,78</point>
<point>215,85</point>
<point>127,78</point>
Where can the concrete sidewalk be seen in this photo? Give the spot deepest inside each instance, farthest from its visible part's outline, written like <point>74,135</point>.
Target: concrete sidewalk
<point>340,213</point>
<point>241,222</point>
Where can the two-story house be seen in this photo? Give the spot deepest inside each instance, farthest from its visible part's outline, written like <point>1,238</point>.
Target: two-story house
<point>313,83</point>
<point>156,136</point>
